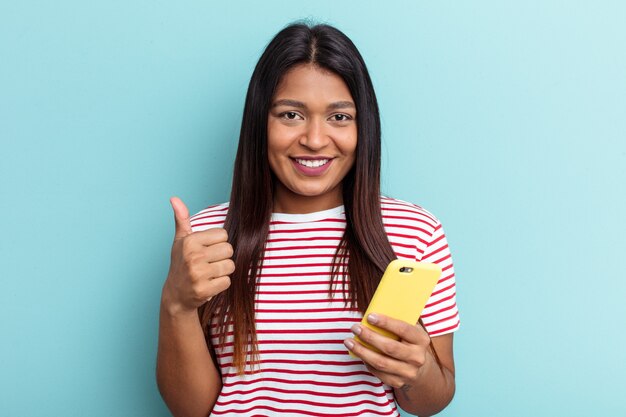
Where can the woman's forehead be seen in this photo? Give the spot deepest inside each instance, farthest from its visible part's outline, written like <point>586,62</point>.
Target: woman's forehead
<point>310,83</point>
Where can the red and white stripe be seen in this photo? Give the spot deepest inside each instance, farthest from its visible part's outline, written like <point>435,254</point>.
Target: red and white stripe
<point>305,370</point>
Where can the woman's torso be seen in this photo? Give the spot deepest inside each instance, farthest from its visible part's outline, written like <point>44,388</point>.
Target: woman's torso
<point>304,367</point>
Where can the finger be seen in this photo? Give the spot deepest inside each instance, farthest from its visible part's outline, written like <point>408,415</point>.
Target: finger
<point>389,347</point>
<point>181,217</point>
<point>204,271</point>
<point>408,332</point>
<point>377,361</point>
<point>392,380</point>
<point>210,237</point>
<point>221,268</point>
<point>212,287</point>
<point>219,252</point>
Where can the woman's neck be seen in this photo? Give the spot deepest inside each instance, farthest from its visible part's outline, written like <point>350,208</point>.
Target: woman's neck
<point>286,201</point>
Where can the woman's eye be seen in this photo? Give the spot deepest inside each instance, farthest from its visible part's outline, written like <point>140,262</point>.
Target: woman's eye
<point>290,115</point>
<point>340,117</point>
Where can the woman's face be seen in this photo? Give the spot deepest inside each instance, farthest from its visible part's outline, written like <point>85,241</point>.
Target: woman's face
<point>312,136</point>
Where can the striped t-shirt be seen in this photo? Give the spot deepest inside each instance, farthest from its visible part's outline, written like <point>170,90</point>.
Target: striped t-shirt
<point>305,369</point>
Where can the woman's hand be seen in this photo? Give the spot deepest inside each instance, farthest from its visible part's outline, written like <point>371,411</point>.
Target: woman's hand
<point>400,362</point>
<point>200,264</point>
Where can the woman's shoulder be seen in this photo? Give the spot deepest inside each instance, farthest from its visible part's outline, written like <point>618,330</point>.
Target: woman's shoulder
<point>396,210</point>
<point>211,217</point>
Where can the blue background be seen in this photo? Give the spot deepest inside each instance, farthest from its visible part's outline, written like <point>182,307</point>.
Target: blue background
<point>505,119</point>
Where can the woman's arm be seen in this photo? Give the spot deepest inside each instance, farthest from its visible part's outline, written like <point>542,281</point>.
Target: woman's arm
<point>421,387</point>
<point>435,387</point>
<point>186,375</point>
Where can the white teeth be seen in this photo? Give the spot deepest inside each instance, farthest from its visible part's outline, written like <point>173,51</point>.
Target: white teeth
<point>312,163</point>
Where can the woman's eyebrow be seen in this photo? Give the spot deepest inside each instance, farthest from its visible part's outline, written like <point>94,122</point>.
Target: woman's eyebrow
<point>341,105</point>
<point>290,103</point>
<point>295,103</point>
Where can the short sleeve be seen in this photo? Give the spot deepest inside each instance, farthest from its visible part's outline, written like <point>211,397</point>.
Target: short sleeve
<point>441,314</point>
<point>209,218</point>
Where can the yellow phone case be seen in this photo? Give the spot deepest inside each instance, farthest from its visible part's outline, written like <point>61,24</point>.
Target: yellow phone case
<point>402,293</point>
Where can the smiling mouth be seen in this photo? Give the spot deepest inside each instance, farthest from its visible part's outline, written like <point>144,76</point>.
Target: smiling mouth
<point>312,163</point>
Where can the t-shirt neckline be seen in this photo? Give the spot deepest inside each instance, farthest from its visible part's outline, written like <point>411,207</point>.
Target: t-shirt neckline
<point>309,217</point>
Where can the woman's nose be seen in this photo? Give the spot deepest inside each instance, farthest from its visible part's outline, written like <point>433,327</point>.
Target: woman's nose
<point>314,137</point>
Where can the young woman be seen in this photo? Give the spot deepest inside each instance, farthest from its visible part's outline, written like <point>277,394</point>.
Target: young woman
<point>265,293</point>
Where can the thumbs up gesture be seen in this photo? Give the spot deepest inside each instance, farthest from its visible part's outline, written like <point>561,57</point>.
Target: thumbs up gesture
<point>200,264</point>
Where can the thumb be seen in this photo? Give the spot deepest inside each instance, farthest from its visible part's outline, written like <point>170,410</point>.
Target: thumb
<point>181,217</point>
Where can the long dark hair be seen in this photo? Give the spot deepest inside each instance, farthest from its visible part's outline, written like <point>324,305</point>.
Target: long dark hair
<point>364,245</point>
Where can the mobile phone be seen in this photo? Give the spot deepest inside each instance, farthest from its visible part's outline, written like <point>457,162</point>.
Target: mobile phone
<point>402,293</point>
